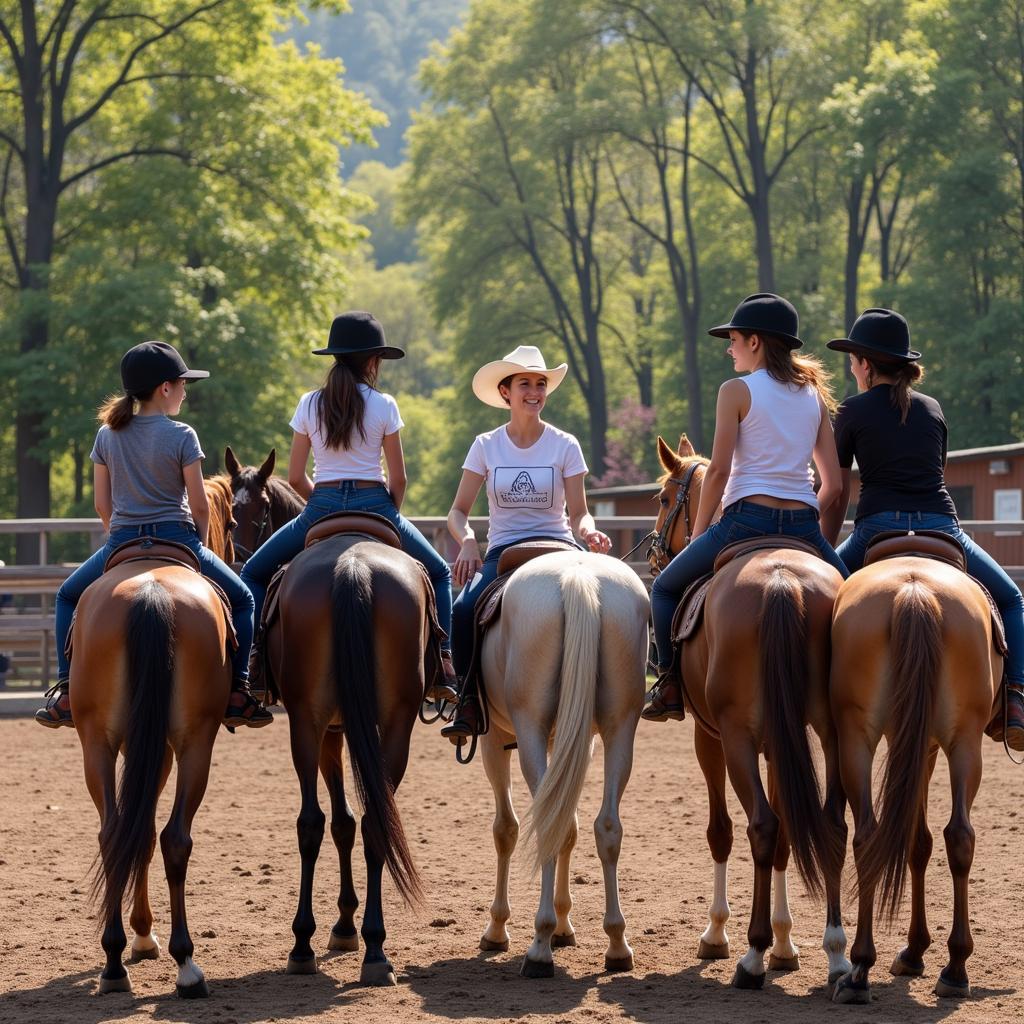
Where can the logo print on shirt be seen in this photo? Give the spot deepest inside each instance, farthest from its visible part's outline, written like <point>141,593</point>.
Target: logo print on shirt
<point>517,487</point>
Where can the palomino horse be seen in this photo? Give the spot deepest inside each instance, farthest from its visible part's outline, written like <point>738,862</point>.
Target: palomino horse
<point>222,523</point>
<point>756,673</point>
<point>913,660</point>
<point>350,649</point>
<point>566,657</point>
<point>262,502</point>
<point>150,675</point>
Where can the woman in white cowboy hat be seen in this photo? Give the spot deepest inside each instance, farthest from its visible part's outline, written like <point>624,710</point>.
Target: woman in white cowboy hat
<point>534,475</point>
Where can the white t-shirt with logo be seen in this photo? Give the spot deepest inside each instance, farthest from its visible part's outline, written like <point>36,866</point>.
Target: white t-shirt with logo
<point>362,461</point>
<point>526,486</point>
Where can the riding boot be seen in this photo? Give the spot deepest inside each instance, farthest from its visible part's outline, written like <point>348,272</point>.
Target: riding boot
<point>1014,727</point>
<point>257,684</point>
<point>665,699</point>
<point>57,711</point>
<point>468,716</point>
<point>244,709</point>
<point>448,688</point>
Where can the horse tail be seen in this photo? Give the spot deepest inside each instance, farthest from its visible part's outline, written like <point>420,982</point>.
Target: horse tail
<point>916,647</point>
<point>552,816</point>
<point>356,687</point>
<point>786,679</point>
<point>126,838</point>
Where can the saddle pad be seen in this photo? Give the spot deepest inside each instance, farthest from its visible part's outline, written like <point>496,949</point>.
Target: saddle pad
<point>690,610</point>
<point>768,542</point>
<point>923,543</point>
<point>368,524</point>
<point>519,554</point>
<point>148,548</point>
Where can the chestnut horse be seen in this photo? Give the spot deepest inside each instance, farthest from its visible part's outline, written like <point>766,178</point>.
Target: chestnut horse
<point>564,662</point>
<point>756,674</point>
<point>150,677</point>
<point>349,651</point>
<point>913,660</point>
<point>220,538</point>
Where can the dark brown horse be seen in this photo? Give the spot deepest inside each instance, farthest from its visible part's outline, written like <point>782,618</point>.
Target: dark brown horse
<point>150,677</point>
<point>350,650</point>
<point>913,660</point>
<point>756,674</point>
<point>262,502</point>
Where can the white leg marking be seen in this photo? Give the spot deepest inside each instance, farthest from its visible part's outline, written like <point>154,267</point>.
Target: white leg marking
<point>189,973</point>
<point>715,933</point>
<point>145,943</point>
<point>782,919</point>
<point>834,945</point>
<point>753,962</point>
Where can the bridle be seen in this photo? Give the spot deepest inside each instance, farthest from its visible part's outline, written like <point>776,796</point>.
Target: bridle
<point>263,531</point>
<point>659,555</point>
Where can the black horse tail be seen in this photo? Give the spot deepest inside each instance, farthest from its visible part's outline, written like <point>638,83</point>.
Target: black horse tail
<point>786,678</point>
<point>127,835</point>
<point>916,650</point>
<point>356,686</point>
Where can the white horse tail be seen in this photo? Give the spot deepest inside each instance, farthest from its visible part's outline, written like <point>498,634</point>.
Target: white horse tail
<point>553,814</point>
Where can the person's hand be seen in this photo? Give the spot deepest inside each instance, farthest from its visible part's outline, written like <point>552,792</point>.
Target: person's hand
<point>597,541</point>
<point>468,563</point>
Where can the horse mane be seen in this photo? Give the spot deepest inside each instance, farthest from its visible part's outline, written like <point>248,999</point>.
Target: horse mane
<point>283,497</point>
<point>220,498</point>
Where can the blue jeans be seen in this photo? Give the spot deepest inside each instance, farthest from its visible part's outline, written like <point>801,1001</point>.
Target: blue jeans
<point>743,520</point>
<point>284,544</point>
<point>980,564</point>
<point>184,533</point>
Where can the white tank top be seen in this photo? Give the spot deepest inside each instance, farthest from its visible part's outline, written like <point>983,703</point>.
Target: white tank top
<point>775,442</point>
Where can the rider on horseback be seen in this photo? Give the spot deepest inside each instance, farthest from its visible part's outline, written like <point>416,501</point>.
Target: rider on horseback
<point>534,475</point>
<point>898,438</point>
<point>768,428</point>
<point>348,423</point>
<point>148,481</point>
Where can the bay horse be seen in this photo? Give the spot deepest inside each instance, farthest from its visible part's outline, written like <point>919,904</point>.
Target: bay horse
<point>350,649</point>
<point>756,674</point>
<point>150,676</point>
<point>913,660</point>
<point>262,502</point>
<point>564,662</point>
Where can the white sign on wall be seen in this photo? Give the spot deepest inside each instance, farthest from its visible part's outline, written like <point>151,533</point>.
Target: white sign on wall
<point>1006,505</point>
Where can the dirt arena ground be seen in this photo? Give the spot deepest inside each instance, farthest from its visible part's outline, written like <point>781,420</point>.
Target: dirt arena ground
<point>244,873</point>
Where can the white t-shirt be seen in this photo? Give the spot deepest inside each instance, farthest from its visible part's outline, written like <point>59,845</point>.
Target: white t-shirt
<point>362,461</point>
<point>526,486</point>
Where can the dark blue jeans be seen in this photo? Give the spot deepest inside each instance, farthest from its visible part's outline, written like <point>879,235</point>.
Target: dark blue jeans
<point>980,564</point>
<point>184,533</point>
<point>284,544</point>
<point>743,520</point>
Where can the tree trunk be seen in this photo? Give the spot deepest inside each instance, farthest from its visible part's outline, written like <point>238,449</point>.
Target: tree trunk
<point>79,457</point>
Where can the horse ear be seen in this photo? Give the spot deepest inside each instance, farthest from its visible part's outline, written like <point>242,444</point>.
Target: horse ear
<point>230,462</point>
<point>685,448</point>
<point>666,456</point>
<point>268,466</point>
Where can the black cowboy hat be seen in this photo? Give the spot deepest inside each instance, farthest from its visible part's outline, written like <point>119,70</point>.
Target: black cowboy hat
<point>764,313</point>
<point>357,332</point>
<point>146,366</point>
<point>879,334</point>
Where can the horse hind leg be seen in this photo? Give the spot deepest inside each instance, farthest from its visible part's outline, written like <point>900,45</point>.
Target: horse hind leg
<point>344,938</point>
<point>784,955</point>
<point>145,944</point>
<point>714,942</point>
<point>506,833</point>
<point>834,940</point>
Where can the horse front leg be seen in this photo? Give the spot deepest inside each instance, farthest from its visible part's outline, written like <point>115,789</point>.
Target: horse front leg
<point>505,830</point>
<point>344,938</point>
<point>834,939</point>
<point>784,956</point>
<point>565,934</point>
<point>714,942</point>
<point>145,944</point>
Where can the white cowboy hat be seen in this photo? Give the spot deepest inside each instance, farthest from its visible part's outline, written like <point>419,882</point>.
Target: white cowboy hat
<point>525,359</point>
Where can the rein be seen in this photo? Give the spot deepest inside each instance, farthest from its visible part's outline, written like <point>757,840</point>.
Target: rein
<point>659,555</point>
<point>263,531</point>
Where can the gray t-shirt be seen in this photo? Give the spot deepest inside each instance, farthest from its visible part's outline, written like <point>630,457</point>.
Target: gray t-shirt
<point>146,460</point>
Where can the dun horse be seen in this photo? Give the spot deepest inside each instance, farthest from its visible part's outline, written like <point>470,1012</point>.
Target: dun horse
<point>913,660</point>
<point>150,676</point>
<point>566,657</point>
<point>756,673</point>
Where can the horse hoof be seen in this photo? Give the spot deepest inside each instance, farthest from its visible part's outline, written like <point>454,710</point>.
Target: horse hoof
<point>493,946</point>
<point>952,989</point>
<point>122,984</point>
<point>713,951</point>
<point>380,975</point>
<point>197,990</point>
<point>905,966</point>
<point>139,952</point>
<point>848,991</point>
<point>617,965</point>
<point>343,943</point>
<point>301,965</point>
<point>783,963</point>
<point>537,968</point>
<point>564,940</point>
<point>744,979</point>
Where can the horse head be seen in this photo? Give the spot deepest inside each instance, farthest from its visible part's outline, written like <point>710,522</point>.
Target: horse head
<point>680,493</point>
<point>251,501</point>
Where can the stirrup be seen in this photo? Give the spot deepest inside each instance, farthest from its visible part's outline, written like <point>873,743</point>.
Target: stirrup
<point>657,708</point>
<point>45,715</point>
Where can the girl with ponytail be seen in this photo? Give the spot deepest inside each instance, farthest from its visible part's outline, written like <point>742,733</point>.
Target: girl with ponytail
<point>349,425</point>
<point>898,438</point>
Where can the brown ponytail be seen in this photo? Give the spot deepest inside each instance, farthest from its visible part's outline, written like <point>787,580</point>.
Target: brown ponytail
<point>340,405</point>
<point>117,411</point>
<point>904,376</point>
<point>785,366</point>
